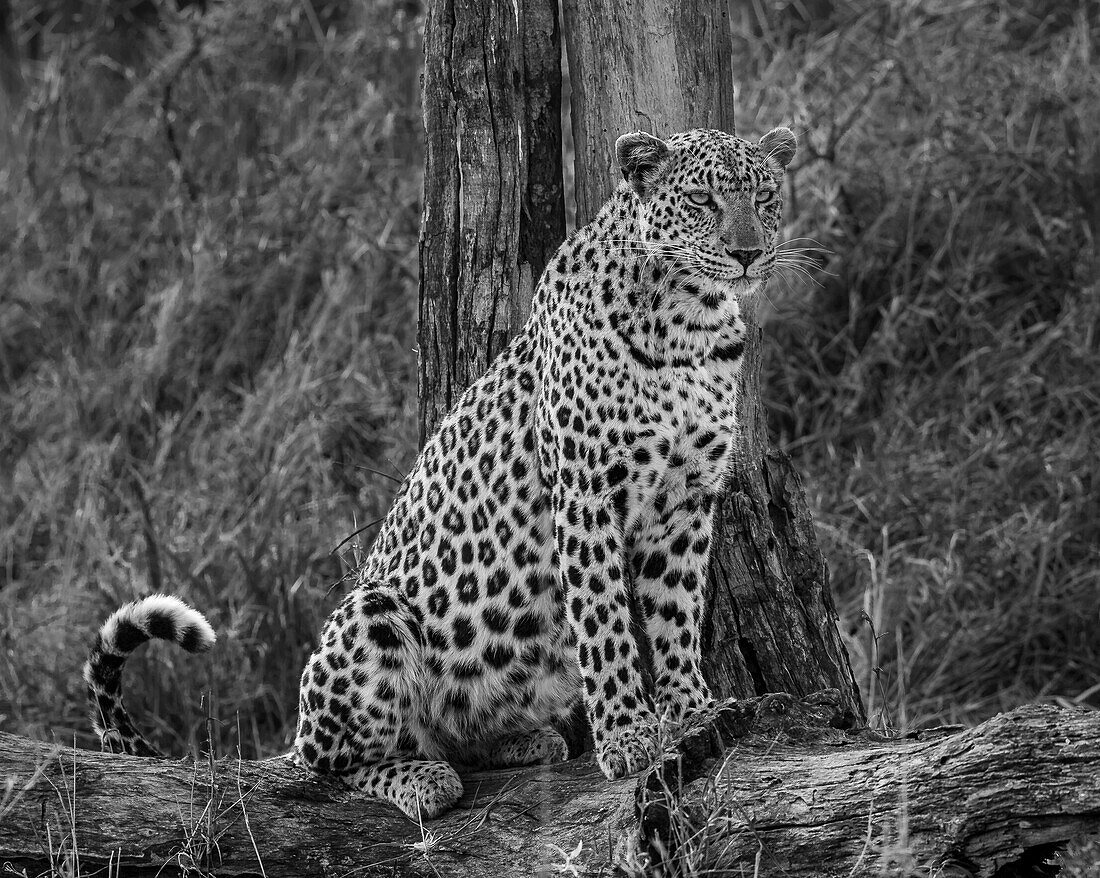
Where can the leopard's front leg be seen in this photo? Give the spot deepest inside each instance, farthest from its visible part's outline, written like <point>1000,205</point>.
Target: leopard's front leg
<point>669,558</point>
<point>591,560</point>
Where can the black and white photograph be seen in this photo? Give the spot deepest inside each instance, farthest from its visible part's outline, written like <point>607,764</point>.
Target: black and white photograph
<point>533,438</point>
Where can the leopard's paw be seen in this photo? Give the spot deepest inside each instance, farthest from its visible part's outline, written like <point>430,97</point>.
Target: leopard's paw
<point>539,747</point>
<point>678,701</point>
<point>429,792</point>
<point>627,750</point>
<point>420,788</point>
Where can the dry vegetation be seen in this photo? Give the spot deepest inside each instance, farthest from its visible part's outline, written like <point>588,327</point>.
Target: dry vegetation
<point>208,267</point>
<point>207,370</point>
<point>939,387</point>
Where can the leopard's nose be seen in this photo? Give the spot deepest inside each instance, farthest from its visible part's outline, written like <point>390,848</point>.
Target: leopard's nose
<point>745,257</point>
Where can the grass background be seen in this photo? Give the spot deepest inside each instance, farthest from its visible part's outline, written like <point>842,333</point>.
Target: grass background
<point>208,257</point>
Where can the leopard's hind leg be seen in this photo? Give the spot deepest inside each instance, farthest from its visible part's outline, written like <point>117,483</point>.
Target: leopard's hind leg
<point>419,787</point>
<point>538,747</point>
<point>355,702</point>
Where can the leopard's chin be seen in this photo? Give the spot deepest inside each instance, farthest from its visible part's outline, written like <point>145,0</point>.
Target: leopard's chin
<point>739,286</point>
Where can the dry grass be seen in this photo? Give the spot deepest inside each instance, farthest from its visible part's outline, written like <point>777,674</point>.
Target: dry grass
<point>938,387</point>
<point>206,326</point>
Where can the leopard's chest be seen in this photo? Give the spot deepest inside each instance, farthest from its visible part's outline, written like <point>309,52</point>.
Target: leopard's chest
<point>684,441</point>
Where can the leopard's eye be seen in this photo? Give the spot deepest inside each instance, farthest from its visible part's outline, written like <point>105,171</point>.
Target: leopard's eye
<point>765,196</point>
<point>700,198</point>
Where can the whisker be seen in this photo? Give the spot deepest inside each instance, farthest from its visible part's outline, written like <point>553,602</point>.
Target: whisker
<point>650,248</point>
<point>802,263</point>
<point>764,293</point>
<point>809,258</point>
<point>800,258</point>
<point>809,278</point>
<point>805,267</point>
<point>805,263</point>
<point>797,254</point>
<point>786,282</point>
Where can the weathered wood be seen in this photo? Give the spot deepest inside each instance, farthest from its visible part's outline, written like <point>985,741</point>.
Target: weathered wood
<point>978,800</point>
<point>770,619</point>
<point>542,221</point>
<point>807,799</point>
<point>653,66</point>
<point>275,819</point>
<point>770,624</point>
<point>493,207</point>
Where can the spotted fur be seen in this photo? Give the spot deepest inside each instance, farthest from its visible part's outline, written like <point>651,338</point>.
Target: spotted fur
<point>578,474</point>
<point>159,616</point>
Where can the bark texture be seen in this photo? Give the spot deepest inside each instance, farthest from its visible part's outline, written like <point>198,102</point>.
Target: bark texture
<point>493,208</point>
<point>770,622</point>
<point>807,799</point>
<point>655,66</point>
<point>977,800</point>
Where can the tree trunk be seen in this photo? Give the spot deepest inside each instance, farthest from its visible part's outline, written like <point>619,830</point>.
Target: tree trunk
<point>493,206</point>
<point>804,798</point>
<point>653,66</point>
<point>770,622</point>
<point>11,80</point>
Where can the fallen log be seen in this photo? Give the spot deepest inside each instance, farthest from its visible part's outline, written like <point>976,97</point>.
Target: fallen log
<point>769,784</point>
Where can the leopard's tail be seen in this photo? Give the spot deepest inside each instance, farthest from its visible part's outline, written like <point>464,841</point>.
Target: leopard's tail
<point>161,616</point>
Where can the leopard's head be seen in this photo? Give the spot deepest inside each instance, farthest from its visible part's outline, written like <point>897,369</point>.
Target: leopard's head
<point>709,203</point>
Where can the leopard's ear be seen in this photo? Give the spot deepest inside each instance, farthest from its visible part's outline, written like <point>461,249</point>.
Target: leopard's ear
<point>778,146</point>
<point>643,159</point>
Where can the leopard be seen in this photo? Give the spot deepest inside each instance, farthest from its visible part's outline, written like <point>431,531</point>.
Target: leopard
<point>561,512</point>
